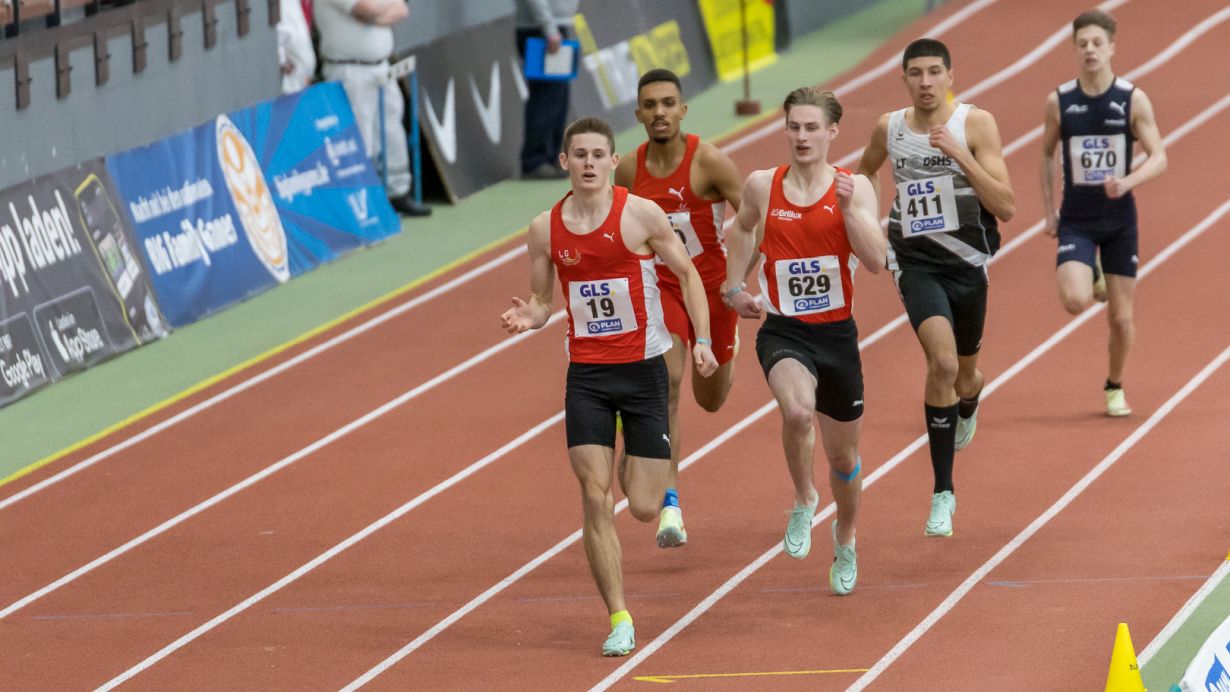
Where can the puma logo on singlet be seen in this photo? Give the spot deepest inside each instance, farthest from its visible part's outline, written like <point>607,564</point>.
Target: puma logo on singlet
<point>678,193</point>
<point>829,208</point>
<point>1118,106</point>
<point>609,236</point>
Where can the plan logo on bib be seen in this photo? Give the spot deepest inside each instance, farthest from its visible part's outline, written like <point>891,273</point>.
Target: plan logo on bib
<point>252,198</point>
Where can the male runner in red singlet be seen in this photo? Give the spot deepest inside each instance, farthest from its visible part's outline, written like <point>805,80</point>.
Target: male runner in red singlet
<point>692,181</point>
<point>602,241</point>
<point>813,223</point>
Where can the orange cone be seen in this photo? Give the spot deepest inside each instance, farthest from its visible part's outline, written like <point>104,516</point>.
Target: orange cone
<point>1124,675</point>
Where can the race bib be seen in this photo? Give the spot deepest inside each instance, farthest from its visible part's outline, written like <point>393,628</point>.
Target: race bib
<point>601,308</point>
<point>681,223</point>
<point>809,286</point>
<point>1097,157</point>
<point>928,205</point>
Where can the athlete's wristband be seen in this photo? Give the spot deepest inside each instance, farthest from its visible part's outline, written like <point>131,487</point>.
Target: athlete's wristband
<point>702,341</point>
<point>730,293</point>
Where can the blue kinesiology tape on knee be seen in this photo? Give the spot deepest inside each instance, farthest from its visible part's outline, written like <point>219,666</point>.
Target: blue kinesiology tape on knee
<point>858,466</point>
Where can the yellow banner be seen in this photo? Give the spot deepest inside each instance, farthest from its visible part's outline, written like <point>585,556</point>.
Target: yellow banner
<point>724,26</point>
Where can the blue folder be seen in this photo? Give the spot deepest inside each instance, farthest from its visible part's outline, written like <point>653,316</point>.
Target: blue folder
<point>538,64</point>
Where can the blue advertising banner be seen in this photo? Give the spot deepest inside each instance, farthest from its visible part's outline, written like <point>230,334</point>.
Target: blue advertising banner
<point>239,205</point>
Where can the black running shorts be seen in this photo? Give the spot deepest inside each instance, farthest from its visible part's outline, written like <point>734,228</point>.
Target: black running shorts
<point>958,296</point>
<point>829,351</point>
<point>638,391</point>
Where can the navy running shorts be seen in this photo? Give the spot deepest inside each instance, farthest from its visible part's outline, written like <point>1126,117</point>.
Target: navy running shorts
<point>637,391</point>
<point>1117,237</point>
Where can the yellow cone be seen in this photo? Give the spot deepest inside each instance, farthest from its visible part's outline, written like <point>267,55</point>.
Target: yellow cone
<point>1124,675</point>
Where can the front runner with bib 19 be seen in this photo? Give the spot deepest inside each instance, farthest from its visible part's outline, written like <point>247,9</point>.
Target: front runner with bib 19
<point>952,187</point>
<point>602,241</point>
<point>1097,117</point>
<point>813,223</point>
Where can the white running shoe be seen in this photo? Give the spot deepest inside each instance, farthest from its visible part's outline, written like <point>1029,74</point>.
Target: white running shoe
<point>965,430</point>
<point>943,506</point>
<point>798,531</point>
<point>1116,403</point>
<point>670,528</point>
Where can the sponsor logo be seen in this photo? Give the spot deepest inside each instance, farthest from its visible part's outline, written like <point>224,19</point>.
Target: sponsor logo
<point>812,303</point>
<point>37,239</point>
<point>609,236</point>
<point>1135,260</point>
<point>358,206</point>
<point>923,161</point>
<point>785,214</point>
<point>291,185</point>
<point>830,207</point>
<point>666,437</point>
<point>326,123</point>
<point>605,326</point>
<point>941,423</point>
<point>1067,248</point>
<point>929,224</point>
<point>489,110</point>
<point>616,69</point>
<point>168,200</point>
<point>339,149</point>
<point>900,135</point>
<point>857,402</point>
<point>1077,108</point>
<point>18,369</point>
<point>257,213</point>
<point>567,258</point>
<point>1095,143</point>
<point>1121,107</point>
<point>1097,176</point>
<point>1116,121</point>
<point>193,243</point>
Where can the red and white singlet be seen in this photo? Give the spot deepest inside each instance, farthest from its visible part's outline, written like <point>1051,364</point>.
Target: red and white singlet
<point>614,313</point>
<point>697,221</point>
<point>808,262</point>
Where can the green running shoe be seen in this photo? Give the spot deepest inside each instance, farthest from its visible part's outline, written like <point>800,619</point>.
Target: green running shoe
<point>843,575</point>
<point>943,506</point>
<point>621,641</point>
<point>798,531</point>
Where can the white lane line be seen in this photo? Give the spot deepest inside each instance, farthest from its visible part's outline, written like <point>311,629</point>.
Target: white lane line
<point>333,552</point>
<point>872,74</point>
<point>272,469</point>
<point>218,398</point>
<point>1043,519</point>
<point>892,463</point>
<point>1180,617</point>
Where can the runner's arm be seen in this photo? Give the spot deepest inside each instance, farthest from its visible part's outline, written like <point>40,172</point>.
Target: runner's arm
<point>874,156</point>
<point>858,207</point>
<point>662,239</point>
<point>1050,143</point>
<point>523,315</point>
<point>742,240</point>
<point>1144,127</point>
<point>982,162</point>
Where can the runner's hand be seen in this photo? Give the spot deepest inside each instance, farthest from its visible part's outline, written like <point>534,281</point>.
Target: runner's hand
<point>1115,187</point>
<point>1051,225</point>
<point>845,188</point>
<point>747,305</point>
<point>943,140</point>
<point>519,318</point>
<point>702,356</point>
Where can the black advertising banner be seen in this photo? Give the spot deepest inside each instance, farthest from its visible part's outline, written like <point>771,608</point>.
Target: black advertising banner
<point>72,290</point>
<point>471,105</point>
<point>620,41</point>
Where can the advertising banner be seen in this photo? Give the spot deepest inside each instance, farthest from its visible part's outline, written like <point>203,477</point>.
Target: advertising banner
<point>72,289</point>
<point>724,25</point>
<point>471,103</point>
<point>241,204</point>
<point>622,41</point>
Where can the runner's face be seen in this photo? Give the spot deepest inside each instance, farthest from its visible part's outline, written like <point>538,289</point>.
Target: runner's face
<point>660,108</point>
<point>1093,48</point>
<point>928,82</point>
<point>809,134</point>
<point>589,161</point>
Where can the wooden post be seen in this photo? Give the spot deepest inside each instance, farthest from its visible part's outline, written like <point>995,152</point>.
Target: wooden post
<point>748,105</point>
